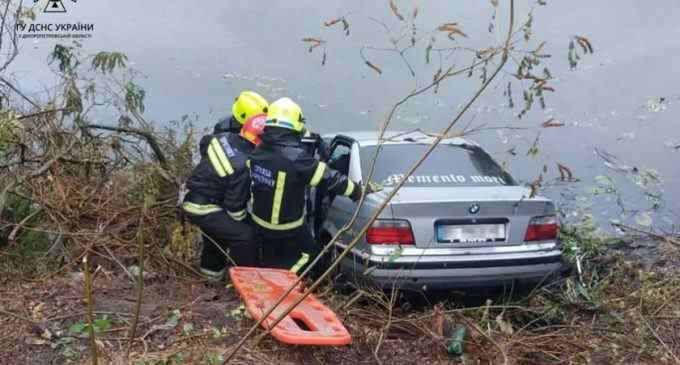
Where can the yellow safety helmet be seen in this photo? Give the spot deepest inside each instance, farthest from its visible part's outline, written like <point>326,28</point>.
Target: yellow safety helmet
<point>247,105</point>
<point>285,113</point>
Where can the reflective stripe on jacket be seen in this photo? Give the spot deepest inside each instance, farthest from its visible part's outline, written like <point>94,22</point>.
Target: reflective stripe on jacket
<point>221,178</point>
<point>280,170</point>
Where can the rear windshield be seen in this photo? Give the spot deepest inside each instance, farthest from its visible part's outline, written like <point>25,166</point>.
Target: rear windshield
<point>447,165</point>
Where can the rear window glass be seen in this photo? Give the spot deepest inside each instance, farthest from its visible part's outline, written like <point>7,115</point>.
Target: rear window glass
<point>447,165</point>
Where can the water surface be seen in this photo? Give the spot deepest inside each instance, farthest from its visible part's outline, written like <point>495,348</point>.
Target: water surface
<point>196,56</point>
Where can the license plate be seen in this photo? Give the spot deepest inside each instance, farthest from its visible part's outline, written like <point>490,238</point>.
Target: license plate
<point>471,233</point>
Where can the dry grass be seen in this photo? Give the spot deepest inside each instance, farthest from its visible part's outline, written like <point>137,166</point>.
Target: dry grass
<point>83,193</point>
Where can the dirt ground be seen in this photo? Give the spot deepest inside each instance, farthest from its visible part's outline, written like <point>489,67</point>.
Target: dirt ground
<point>628,317</point>
<point>181,322</point>
<point>173,314</point>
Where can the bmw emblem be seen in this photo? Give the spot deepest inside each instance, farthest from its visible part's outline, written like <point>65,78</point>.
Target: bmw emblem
<point>474,208</point>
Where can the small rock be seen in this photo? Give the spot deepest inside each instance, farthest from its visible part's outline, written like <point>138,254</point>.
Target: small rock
<point>134,271</point>
<point>77,277</point>
<point>46,334</point>
<point>35,341</point>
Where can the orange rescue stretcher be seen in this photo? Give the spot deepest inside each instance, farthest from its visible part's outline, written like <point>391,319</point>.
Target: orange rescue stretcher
<point>310,323</point>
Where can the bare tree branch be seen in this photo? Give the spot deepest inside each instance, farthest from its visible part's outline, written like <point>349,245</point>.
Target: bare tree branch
<point>16,90</point>
<point>147,136</point>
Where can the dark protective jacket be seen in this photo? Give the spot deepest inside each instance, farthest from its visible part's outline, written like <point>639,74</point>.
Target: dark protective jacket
<point>221,179</point>
<point>228,124</point>
<point>281,169</point>
<point>224,125</point>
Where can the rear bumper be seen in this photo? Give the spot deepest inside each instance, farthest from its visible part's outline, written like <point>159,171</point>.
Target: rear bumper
<point>441,276</point>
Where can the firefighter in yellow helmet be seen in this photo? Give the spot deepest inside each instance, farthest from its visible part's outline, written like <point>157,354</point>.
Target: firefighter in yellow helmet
<point>246,105</point>
<point>219,187</point>
<point>281,169</point>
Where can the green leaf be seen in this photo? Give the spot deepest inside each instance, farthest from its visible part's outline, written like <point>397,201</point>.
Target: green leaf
<point>101,324</point>
<point>65,56</point>
<point>533,151</point>
<point>173,320</point>
<point>504,326</point>
<point>511,103</point>
<point>396,254</point>
<point>237,312</point>
<point>583,291</point>
<point>74,100</point>
<point>77,327</point>
<point>428,50</point>
<point>187,329</point>
<point>215,332</point>
<point>27,13</point>
<point>134,97</point>
<point>546,73</point>
<point>527,26</point>
<point>107,62</point>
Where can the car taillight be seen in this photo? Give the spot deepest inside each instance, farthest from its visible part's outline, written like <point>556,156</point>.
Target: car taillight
<point>542,228</point>
<point>390,232</point>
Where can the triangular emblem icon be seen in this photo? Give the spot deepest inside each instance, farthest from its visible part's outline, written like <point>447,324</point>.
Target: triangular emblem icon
<point>55,6</point>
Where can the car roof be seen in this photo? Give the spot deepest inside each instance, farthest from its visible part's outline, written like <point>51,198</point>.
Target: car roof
<point>370,138</point>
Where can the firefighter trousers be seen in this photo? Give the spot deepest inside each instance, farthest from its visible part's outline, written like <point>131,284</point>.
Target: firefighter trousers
<point>237,238</point>
<point>293,249</point>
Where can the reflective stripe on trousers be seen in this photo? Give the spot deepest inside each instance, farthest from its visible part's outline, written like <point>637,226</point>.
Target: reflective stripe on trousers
<point>304,259</point>
<point>237,216</point>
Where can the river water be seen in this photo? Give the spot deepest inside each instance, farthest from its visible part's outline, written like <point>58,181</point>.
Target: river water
<point>622,100</point>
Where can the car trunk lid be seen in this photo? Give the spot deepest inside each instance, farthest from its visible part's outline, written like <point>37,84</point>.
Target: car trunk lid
<point>468,216</point>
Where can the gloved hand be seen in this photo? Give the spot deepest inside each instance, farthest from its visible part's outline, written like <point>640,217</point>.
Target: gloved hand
<point>373,188</point>
<point>356,193</point>
<point>321,147</point>
<point>369,189</point>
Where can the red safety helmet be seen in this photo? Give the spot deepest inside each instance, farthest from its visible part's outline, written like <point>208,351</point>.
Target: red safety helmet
<point>253,127</point>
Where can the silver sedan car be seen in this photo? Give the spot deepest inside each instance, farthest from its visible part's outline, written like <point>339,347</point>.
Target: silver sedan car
<point>460,220</point>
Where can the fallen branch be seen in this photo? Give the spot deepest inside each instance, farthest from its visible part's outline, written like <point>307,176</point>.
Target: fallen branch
<point>115,259</point>
<point>17,316</point>
<point>34,174</point>
<point>657,236</point>
<point>658,338</point>
<point>40,113</point>
<point>12,236</point>
<point>489,338</point>
<point>147,136</point>
<point>14,88</point>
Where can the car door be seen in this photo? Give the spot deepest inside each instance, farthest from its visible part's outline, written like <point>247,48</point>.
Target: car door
<point>340,155</point>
